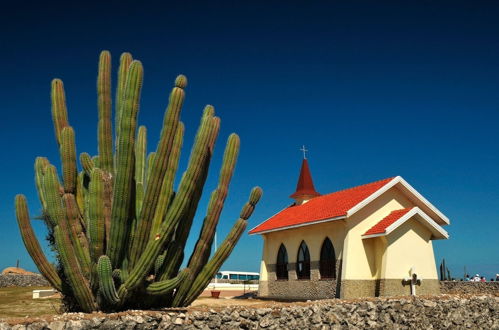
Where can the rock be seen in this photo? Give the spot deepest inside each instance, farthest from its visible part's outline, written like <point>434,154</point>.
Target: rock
<point>316,318</point>
<point>244,313</point>
<point>74,325</point>
<point>19,327</point>
<point>57,325</point>
<point>9,280</point>
<point>4,326</point>
<point>265,322</point>
<point>37,326</point>
<point>214,322</point>
<point>263,311</point>
<point>111,324</point>
<point>474,312</point>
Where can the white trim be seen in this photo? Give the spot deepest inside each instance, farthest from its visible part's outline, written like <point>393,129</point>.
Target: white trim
<point>392,183</point>
<point>373,196</point>
<point>415,210</point>
<point>298,225</point>
<point>373,235</point>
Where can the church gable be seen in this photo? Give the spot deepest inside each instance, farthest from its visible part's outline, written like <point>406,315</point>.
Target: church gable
<point>398,217</point>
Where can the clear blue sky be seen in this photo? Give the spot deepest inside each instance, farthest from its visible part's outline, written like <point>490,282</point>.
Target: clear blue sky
<point>373,89</point>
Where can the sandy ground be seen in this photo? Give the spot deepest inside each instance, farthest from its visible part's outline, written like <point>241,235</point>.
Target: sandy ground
<point>17,302</point>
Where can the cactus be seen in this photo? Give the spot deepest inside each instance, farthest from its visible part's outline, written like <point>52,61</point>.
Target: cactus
<point>118,226</point>
<point>32,245</point>
<point>444,272</point>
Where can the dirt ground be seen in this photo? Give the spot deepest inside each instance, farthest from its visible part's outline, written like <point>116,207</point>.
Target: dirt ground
<point>17,302</point>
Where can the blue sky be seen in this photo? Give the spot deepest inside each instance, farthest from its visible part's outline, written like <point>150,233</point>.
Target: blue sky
<point>373,89</point>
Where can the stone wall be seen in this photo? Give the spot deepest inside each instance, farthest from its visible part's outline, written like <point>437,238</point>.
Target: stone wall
<point>469,287</point>
<point>392,287</point>
<point>450,312</point>
<point>295,289</point>
<point>22,280</point>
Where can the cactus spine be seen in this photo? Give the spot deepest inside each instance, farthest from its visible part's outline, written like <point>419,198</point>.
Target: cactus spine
<point>118,226</point>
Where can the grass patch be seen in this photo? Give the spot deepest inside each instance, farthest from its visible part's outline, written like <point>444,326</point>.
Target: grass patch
<point>18,302</point>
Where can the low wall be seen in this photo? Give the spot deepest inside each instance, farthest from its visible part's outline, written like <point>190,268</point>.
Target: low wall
<point>472,312</point>
<point>22,280</point>
<point>295,289</point>
<point>460,287</point>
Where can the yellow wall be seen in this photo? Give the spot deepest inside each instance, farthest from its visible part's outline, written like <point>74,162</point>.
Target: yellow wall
<point>263,266</point>
<point>313,235</point>
<point>410,245</point>
<point>361,260</point>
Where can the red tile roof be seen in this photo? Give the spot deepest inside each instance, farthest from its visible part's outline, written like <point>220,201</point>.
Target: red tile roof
<point>320,208</point>
<point>305,186</point>
<point>381,226</point>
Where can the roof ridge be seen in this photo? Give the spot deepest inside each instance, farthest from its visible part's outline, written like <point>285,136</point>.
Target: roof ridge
<point>359,186</point>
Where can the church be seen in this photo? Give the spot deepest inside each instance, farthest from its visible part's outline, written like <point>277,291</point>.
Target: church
<point>366,241</point>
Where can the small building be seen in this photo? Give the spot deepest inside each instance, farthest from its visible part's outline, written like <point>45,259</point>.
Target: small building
<point>364,241</point>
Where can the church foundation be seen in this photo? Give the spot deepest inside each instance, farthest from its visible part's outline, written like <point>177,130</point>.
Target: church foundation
<point>396,287</point>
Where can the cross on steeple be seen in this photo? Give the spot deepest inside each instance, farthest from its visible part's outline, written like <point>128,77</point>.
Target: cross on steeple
<point>304,151</point>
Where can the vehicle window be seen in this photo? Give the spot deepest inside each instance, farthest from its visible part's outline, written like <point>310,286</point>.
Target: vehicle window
<point>233,276</point>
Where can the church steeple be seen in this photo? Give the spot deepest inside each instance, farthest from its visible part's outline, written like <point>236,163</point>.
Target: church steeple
<point>305,189</point>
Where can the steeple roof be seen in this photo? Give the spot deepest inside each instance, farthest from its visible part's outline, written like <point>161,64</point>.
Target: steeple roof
<point>305,186</point>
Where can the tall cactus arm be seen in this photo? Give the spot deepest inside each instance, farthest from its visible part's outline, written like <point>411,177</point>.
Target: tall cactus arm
<point>68,159</point>
<point>105,135</point>
<point>64,245</point>
<point>122,197</point>
<point>189,181</point>
<point>202,249</point>
<point>96,224</point>
<point>163,287</point>
<point>212,267</point>
<point>40,164</point>
<point>106,282</point>
<point>32,245</point>
<point>184,227</point>
<point>81,191</point>
<point>140,168</point>
<point>125,61</point>
<point>108,200</point>
<point>150,162</point>
<point>78,238</point>
<point>59,110</point>
<point>79,284</point>
<point>203,245</point>
<point>52,191</point>
<point>163,151</point>
<point>166,192</point>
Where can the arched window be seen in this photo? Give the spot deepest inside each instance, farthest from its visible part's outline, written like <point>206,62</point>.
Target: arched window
<point>303,262</point>
<point>327,265</point>
<point>282,263</point>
